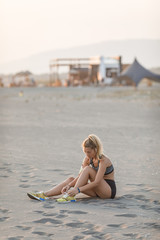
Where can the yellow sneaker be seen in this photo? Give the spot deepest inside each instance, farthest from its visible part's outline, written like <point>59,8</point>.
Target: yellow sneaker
<point>66,199</point>
<point>37,196</point>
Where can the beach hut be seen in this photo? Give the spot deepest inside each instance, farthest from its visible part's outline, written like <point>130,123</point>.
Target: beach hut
<point>24,78</point>
<point>136,72</point>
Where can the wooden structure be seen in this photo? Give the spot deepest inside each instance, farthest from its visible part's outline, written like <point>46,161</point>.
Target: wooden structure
<point>85,71</point>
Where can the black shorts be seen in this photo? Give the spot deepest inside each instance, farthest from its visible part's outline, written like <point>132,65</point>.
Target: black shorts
<point>112,185</point>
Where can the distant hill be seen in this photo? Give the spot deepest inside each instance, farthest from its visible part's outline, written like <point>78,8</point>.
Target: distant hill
<point>147,52</point>
<point>155,70</point>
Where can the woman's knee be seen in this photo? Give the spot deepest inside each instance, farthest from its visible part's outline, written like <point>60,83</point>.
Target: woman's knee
<point>87,168</point>
<point>90,172</point>
<point>70,179</point>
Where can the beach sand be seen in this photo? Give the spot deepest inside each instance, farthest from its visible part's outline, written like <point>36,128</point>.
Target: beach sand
<point>40,145</point>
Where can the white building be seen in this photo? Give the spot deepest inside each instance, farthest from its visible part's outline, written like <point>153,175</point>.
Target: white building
<point>107,68</point>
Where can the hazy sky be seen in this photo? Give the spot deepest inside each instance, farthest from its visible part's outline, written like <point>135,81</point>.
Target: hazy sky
<point>31,26</point>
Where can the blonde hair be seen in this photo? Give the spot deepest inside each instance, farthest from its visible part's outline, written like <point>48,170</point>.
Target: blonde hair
<point>92,141</point>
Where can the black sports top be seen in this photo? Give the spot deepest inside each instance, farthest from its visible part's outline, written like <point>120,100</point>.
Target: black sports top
<point>109,169</point>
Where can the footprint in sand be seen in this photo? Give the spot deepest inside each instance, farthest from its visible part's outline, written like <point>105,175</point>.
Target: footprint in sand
<point>78,237</point>
<point>5,171</point>
<point>42,234</point>
<point>96,234</point>
<point>48,220</point>
<point>84,225</point>
<point>88,230</point>
<point>25,228</point>
<point>61,216</point>
<point>23,180</point>
<point>132,235</point>
<point>75,224</point>
<point>48,205</point>
<point>4,212</point>
<point>24,186</point>
<point>46,214</point>
<point>56,170</point>
<point>72,212</point>
<point>3,219</point>
<point>4,176</point>
<point>122,225</point>
<point>16,238</point>
<point>38,211</point>
<point>153,225</point>
<point>127,215</point>
<point>77,212</point>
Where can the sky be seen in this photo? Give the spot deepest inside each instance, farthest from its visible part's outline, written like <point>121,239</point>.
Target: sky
<point>31,26</point>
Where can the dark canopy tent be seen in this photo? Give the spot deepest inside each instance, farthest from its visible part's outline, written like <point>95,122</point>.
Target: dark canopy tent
<point>136,72</point>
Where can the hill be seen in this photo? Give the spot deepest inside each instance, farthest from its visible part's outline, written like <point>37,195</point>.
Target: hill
<point>147,52</point>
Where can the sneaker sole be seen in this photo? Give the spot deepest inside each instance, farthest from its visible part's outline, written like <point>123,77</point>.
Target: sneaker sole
<point>34,197</point>
<point>66,201</point>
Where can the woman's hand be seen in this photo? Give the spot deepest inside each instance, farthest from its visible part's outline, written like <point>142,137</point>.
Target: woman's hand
<point>65,189</point>
<point>72,192</point>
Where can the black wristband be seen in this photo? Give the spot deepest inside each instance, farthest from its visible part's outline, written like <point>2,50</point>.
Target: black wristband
<point>78,189</point>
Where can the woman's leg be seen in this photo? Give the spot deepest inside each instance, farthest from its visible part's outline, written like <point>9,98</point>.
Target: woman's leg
<point>103,190</point>
<point>88,173</point>
<point>57,189</point>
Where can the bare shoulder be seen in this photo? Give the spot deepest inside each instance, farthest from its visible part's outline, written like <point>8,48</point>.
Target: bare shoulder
<point>106,160</point>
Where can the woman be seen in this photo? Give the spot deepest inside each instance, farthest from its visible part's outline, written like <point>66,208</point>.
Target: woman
<point>96,177</point>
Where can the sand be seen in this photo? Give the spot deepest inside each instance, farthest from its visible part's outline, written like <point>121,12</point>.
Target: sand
<point>40,145</point>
